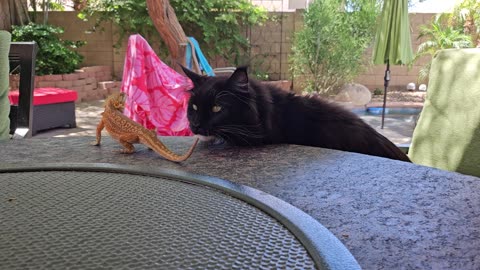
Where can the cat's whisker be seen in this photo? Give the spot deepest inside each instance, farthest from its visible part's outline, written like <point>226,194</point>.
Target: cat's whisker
<point>241,131</point>
<point>244,139</point>
<point>224,136</point>
<point>251,128</point>
<point>242,126</point>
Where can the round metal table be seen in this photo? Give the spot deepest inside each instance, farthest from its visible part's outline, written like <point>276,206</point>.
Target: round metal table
<point>83,216</point>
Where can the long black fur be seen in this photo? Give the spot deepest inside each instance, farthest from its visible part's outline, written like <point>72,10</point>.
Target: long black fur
<point>253,113</point>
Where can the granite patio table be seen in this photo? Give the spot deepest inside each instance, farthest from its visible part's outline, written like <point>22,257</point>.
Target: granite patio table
<point>389,214</point>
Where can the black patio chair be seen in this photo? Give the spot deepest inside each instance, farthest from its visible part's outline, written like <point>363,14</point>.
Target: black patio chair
<point>22,58</point>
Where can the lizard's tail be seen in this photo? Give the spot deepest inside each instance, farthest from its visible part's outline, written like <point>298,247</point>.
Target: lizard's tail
<point>168,154</point>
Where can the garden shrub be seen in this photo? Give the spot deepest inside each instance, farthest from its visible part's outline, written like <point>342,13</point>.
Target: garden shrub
<point>216,24</point>
<point>328,52</point>
<point>54,56</point>
<point>458,29</point>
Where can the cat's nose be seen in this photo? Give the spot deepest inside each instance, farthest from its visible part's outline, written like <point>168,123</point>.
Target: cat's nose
<point>197,129</point>
<point>200,131</point>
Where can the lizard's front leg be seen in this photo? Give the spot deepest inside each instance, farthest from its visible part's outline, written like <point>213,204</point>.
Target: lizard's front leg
<point>100,127</point>
<point>126,141</point>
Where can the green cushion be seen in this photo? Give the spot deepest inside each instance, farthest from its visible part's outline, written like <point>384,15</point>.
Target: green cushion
<point>447,135</point>
<point>5,39</point>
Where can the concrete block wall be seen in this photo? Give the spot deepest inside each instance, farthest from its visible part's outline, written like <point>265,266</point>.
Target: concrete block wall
<point>400,76</point>
<point>271,48</point>
<point>272,5</point>
<point>90,83</point>
<point>271,45</point>
<point>98,50</point>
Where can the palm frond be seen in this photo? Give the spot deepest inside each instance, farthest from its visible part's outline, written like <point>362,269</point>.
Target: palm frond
<point>424,73</point>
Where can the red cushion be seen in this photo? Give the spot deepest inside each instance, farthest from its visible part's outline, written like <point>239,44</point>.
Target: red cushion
<point>47,95</point>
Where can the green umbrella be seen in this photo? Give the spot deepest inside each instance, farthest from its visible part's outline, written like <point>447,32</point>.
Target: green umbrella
<point>392,42</point>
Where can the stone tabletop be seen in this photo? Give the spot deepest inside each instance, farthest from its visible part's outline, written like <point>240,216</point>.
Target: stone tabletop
<point>389,214</point>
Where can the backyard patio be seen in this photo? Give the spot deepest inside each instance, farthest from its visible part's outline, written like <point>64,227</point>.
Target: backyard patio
<point>273,178</point>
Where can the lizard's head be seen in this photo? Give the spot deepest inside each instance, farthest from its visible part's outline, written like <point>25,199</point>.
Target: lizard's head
<point>117,100</point>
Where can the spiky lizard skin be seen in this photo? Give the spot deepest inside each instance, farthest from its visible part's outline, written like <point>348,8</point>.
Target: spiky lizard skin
<point>127,132</point>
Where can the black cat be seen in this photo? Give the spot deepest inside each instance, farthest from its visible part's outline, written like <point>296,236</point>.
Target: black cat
<point>246,112</point>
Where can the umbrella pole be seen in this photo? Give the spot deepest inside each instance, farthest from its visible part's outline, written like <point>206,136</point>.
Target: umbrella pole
<point>385,84</point>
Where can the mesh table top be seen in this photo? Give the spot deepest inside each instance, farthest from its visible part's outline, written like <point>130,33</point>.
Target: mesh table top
<point>90,219</point>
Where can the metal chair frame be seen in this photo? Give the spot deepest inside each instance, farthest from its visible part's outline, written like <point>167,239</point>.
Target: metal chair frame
<point>22,57</point>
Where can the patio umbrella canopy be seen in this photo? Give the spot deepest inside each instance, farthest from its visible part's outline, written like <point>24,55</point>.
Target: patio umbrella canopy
<point>392,42</point>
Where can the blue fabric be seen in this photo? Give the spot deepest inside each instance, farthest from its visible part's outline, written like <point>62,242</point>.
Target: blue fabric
<point>202,60</point>
<point>188,56</point>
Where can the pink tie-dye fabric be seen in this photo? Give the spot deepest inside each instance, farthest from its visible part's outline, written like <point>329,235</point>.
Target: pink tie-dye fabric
<point>156,94</point>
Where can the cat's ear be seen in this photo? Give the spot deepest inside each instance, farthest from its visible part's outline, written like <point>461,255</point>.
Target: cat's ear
<point>239,78</point>
<point>194,77</point>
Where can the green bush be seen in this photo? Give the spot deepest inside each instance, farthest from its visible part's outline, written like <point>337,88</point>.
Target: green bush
<point>329,50</point>
<point>117,12</point>
<point>216,24</point>
<point>466,15</point>
<point>448,30</point>
<point>378,91</point>
<point>54,56</point>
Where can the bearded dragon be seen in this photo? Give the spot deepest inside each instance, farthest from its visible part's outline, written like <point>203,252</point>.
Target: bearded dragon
<point>127,132</point>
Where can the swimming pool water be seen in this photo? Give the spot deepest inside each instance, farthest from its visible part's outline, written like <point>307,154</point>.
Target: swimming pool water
<point>388,111</point>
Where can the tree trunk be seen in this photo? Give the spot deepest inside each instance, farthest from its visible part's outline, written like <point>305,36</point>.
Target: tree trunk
<point>167,25</point>
<point>470,28</point>
<point>79,5</point>
<point>13,12</point>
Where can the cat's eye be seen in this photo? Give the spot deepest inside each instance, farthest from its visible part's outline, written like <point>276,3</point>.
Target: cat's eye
<point>194,107</point>
<point>216,108</point>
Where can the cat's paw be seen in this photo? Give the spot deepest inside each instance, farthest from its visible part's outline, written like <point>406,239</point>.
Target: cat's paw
<point>217,141</point>
<point>203,138</point>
